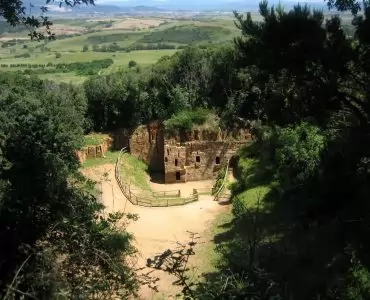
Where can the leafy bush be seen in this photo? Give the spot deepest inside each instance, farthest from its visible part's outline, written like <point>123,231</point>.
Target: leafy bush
<point>94,139</point>
<point>294,152</point>
<point>58,55</point>
<point>132,64</point>
<point>185,120</point>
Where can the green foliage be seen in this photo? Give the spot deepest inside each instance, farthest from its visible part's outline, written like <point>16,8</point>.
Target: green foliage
<point>85,48</point>
<point>110,38</point>
<point>184,34</point>
<point>15,14</point>
<point>53,229</point>
<point>138,171</point>
<point>23,55</point>
<point>58,55</point>
<point>81,68</point>
<point>132,64</point>
<point>94,139</point>
<point>186,120</point>
<point>294,152</point>
<point>300,204</point>
<point>109,158</point>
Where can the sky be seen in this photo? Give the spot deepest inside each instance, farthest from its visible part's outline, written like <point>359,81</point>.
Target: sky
<point>201,4</point>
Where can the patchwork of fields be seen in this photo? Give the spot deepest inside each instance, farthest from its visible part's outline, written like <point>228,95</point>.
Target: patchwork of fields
<point>144,40</point>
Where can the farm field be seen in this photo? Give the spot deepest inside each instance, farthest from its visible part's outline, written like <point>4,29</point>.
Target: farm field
<point>144,40</point>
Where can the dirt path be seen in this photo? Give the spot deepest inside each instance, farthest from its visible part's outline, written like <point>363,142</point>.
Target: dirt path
<point>159,229</point>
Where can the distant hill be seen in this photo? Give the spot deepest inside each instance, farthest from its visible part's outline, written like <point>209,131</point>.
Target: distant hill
<point>143,6</point>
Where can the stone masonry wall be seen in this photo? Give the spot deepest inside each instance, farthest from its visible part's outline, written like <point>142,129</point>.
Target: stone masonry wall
<point>199,154</point>
<point>189,156</point>
<point>147,144</point>
<point>204,159</point>
<point>94,151</point>
<point>174,163</point>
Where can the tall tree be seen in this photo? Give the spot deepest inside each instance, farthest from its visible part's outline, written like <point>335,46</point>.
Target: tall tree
<point>55,243</point>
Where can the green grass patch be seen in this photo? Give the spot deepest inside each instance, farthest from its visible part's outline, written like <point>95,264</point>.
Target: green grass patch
<point>207,255</point>
<point>135,172</point>
<point>256,187</point>
<point>94,139</point>
<point>110,158</point>
<point>253,197</point>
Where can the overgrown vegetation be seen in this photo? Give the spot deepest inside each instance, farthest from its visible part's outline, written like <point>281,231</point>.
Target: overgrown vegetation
<point>110,157</point>
<point>185,34</point>
<point>80,68</point>
<point>94,139</point>
<point>137,170</point>
<point>51,226</point>
<point>300,205</point>
<point>186,120</point>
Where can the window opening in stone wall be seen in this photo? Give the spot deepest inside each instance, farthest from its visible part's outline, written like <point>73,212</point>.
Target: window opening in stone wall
<point>197,158</point>
<point>217,160</point>
<point>176,162</point>
<point>166,159</point>
<point>168,151</point>
<point>178,176</point>
<point>178,153</point>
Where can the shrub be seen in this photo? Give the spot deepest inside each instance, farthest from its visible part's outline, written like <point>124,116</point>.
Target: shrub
<point>58,55</point>
<point>294,152</point>
<point>185,120</point>
<point>132,64</point>
<point>24,55</point>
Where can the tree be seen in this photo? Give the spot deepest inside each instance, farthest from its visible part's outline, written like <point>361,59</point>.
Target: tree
<point>85,48</point>
<point>15,13</point>
<point>58,242</point>
<point>58,55</point>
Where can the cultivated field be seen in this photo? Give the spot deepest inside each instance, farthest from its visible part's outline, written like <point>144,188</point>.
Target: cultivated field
<point>143,40</point>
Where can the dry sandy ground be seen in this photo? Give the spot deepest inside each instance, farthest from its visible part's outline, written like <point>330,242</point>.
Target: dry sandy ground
<point>159,229</point>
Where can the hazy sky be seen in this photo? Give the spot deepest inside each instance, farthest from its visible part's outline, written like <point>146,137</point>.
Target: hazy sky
<point>202,4</point>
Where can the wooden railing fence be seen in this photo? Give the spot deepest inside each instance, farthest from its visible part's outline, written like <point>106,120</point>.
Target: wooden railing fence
<point>219,192</point>
<point>158,199</point>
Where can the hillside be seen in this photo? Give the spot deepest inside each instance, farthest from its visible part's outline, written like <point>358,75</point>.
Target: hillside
<point>124,39</point>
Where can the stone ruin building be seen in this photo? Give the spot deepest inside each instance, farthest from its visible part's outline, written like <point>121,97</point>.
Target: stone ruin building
<point>191,156</point>
<point>94,151</point>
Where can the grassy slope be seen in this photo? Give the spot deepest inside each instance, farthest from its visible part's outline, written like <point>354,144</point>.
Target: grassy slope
<point>223,230</point>
<point>137,169</point>
<point>110,158</point>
